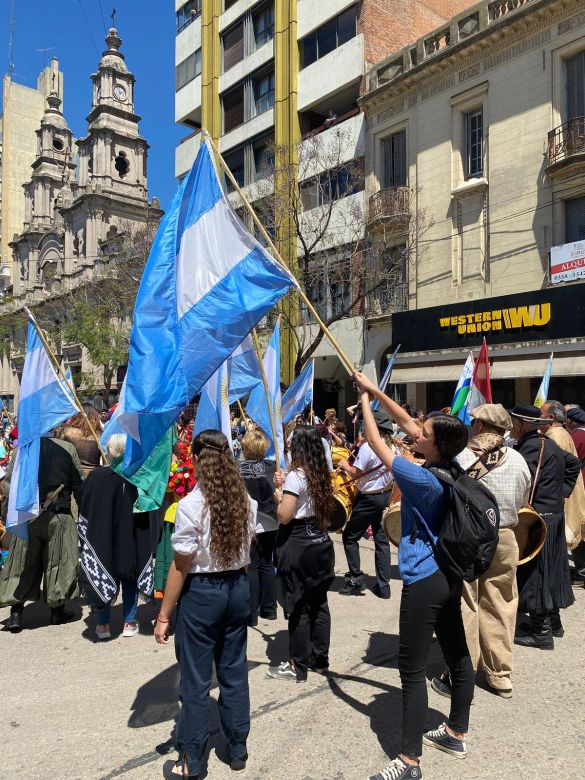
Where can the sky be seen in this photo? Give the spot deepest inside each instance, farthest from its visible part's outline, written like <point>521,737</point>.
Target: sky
<point>73,31</point>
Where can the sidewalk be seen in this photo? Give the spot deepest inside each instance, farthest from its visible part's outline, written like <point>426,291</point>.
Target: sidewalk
<point>72,709</point>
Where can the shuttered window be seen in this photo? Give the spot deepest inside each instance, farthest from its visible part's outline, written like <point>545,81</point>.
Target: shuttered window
<point>575,86</point>
<point>394,150</point>
<point>187,70</point>
<point>233,108</point>
<point>574,220</point>
<point>233,46</point>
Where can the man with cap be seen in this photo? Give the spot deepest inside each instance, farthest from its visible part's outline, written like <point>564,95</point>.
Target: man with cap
<point>489,604</point>
<point>544,583</point>
<point>368,509</point>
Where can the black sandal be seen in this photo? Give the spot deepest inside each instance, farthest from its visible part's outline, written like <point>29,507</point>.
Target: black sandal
<point>168,773</point>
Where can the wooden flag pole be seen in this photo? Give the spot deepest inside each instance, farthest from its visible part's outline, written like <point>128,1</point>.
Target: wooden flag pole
<point>70,386</point>
<point>243,413</point>
<point>277,256</point>
<point>256,343</point>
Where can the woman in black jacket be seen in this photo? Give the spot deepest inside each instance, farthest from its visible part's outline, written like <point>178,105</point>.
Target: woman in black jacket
<point>258,474</point>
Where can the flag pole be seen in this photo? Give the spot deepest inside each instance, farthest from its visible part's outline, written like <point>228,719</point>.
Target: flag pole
<point>70,386</point>
<point>277,256</point>
<point>256,343</point>
<point>242,412</point>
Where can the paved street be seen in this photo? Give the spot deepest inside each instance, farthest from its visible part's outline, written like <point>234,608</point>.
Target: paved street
<point>76,710</point>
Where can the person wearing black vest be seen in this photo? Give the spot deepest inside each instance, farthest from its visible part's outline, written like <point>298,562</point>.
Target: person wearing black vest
<point>258,474</point>
<point>544,583</point>
<point>50,553</point>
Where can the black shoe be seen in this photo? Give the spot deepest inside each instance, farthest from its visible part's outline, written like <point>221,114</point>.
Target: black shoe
<point>542,641</point>
<point>442,740</point>
<point>14,623</point>
<point>352,589</point>
<point>168,773</point>
<point>269,615</point>
<point>441,686</point>
<point>556,626</point>
<point>381,594</point>
<point>238,764</point>
<point>398,770</point>
<point>60,615</point>
<point>253,621</point>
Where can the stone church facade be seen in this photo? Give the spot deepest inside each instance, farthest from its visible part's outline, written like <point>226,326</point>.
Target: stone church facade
<point>84,197</point>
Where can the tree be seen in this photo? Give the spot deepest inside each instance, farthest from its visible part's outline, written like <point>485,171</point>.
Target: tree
<point>347,259</point>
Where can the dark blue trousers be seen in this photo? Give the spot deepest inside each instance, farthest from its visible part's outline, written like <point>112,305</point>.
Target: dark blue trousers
<point>212,627</point>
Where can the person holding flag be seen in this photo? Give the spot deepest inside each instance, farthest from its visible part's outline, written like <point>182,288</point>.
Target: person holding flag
<point>41,479</point>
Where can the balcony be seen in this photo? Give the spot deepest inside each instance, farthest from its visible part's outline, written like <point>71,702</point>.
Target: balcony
<point>566,145</point>
<point>389,208</point>
<point>386,300</point>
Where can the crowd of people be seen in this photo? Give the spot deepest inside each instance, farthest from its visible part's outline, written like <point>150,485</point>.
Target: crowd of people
<point>238,536</point>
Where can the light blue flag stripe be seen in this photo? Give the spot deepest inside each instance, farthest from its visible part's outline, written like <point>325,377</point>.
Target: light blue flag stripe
<point>299,395</point>
<point>385,379</point>
<point>213,411</point>
<point>243,371</point>
<point>206,284</point>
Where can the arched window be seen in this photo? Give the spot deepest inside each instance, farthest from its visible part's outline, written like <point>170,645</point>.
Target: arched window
<point>121,164</point>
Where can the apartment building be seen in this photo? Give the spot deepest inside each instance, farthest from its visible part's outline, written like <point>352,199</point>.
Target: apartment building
<point>262,74</point>
<point>476,137</point>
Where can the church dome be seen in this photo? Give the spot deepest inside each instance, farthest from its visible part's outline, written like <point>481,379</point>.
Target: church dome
<point>53,116</point>
<point>112,58</point>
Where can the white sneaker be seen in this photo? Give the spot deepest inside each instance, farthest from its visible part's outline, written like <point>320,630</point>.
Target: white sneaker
<point>130,629</point>
<point>284,672</point>
<point>103,632</point>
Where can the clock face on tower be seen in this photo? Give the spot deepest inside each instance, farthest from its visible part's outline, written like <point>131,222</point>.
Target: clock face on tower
<point>119,92</point>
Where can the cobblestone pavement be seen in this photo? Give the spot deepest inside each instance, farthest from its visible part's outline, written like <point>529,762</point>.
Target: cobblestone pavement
<point>72,709</point>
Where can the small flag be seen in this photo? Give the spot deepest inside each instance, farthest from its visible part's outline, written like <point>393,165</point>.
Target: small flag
<point>459,403</point>
<point>44,403</point>
<point>384,382</point>
<point>300,393</point>
<point>206,284</point>
<point>257,406</point>
<point>214,409</point>
<point>481,391</point>
<point>542,395</point>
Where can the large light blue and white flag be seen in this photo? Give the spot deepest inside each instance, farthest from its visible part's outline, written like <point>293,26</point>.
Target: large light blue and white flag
<point>206,284</point>
<point>257,406</point>
<point>214,409</point>
<point>542,394</point>
<point>385,379</point>
<point>243,370</point>
<point>300,394</point>
<point>45,402</point>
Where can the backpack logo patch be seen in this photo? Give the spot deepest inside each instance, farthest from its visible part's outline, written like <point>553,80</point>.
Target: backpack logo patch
<point>492,516</point>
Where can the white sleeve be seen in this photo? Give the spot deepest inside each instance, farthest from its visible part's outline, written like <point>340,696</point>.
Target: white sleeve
<point>365,458</point>
<point>328,458</point>
<point>185,536</point>
<point>292,484</point>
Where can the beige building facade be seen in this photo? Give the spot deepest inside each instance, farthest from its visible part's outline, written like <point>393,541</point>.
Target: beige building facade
<point>476,143</point>
<point>22,110</point>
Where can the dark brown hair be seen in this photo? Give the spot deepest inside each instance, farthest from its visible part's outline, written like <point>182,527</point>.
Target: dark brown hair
<point>225,494</point>
<point>450,436</point>
<point>308,454</point>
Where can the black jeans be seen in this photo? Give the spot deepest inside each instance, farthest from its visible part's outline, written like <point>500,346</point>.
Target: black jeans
<point>368,511</point>
<point>426,607</point>
<point>212,627</point>
<point>262,575</point>
<point>309,628</point>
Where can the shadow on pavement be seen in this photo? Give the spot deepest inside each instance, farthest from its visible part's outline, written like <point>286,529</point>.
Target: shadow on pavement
<point>382,650</point>
<point>276,646</point>
<point>37,614</point>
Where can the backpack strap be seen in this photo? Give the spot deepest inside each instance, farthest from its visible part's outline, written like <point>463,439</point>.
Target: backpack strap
<point>443,475</point>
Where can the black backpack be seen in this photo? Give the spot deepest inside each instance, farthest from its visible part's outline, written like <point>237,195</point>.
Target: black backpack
<point>469,536</point>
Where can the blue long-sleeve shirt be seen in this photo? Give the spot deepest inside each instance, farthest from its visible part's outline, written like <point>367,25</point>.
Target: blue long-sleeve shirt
<point>421,490</point>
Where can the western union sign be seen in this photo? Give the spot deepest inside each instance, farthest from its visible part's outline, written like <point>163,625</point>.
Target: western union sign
<point>510,319</point>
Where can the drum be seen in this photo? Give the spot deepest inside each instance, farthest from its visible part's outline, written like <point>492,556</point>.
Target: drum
<point>392,523</point>
<point>345,492</point>
<point>530,534</point>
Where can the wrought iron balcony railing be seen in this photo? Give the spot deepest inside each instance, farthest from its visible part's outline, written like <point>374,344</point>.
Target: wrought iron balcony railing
<point>566,141</point>
<point>391,204</point>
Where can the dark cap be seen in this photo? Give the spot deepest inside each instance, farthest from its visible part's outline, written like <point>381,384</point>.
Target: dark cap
<point>383,420</point>
<point>529,414</point>
<point>576,415</point>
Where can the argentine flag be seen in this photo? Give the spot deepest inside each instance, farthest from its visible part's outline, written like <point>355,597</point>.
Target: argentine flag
<point>45,402</point>
<point>243,371</point>
<point>214,409</point>
<point>385,379</point>
<point>257,407</point>
<point>459,403</point>
<point>206,284</point>
<point>300,394</point>
<point>542,394</point>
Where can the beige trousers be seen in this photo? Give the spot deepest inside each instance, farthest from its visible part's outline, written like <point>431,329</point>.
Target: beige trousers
<point>489,608</point>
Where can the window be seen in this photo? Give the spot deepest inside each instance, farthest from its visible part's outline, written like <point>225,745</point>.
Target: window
<point>233,46</point>
<point>263,23</point>
<point>473,128</point>
<point>264,92</point>
<point>187,14</point>
<point>121,164</point>
<point>575,86</point>
<point>574,220</point>
<point>263,150</point>
<point>329,186</point>
<point>394,152</point>
<point>187,70</point>
<point>236,163</point>
<point>329,36</point>
<point>228,4</point>
<point>233,108</point>
<point>327,281</point>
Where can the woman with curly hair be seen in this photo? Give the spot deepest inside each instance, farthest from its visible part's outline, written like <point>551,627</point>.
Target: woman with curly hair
<point>304,557</point>
<point>214,527</point>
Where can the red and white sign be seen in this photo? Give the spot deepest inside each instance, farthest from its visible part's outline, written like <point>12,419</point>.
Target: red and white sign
<point>567,262</point>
